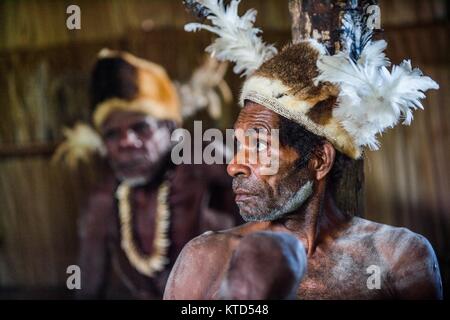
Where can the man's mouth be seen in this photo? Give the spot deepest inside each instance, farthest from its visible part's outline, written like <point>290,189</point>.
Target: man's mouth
<point>130,165</point>
<point>242,195</point>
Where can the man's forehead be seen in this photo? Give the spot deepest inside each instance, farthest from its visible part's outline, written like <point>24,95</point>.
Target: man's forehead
<point>255,116</point>
<point>124,118</point>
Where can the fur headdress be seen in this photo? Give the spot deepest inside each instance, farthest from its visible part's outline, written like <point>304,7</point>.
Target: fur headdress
<point>121,81</point>
<point>348,98</point>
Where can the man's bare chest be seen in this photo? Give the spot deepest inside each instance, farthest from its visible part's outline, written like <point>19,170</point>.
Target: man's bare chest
<point>345,274</point>
<point>181,221</point>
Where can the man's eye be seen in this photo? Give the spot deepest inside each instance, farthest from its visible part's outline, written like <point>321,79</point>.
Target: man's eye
<point>262,145</point>
<point>141,128</point>
<point>111,135</point>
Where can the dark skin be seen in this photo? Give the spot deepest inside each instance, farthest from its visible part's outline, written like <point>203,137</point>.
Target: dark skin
<point>139,148</point>
<point>339,249</point>
<point>136,144</point>
<point>279,250</point>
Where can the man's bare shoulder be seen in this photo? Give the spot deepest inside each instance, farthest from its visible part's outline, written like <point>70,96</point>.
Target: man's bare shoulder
<point>214,242</point>
<point>393,241</point>
<point>211,240</point>
<point>408,256</point>
<point>207,255</point>
<point>198,266</point>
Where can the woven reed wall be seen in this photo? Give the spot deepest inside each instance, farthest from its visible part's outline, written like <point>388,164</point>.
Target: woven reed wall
<point>44,69</point>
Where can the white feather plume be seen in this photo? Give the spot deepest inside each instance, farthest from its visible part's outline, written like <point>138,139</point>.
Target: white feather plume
<point>81,142</point>
<point>238,40</point>
<point>372,98</point>
<point>206,89</point>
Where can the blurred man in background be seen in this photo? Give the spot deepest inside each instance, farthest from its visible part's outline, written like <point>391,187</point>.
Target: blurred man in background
<point>136,221</point>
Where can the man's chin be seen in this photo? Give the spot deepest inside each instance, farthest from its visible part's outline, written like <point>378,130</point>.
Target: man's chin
<point>288,207</point>
<point>260,217</point>
<point>135,178</point>
<point>134,181</point>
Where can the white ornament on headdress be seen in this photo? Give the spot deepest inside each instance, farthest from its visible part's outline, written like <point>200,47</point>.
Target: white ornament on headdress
<point>371,97</point>
<point>81,142</point>
<point>205,89</point>
<point>238,40</point>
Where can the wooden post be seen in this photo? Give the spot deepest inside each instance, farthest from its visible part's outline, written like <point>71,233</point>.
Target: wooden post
<point>321,20</point>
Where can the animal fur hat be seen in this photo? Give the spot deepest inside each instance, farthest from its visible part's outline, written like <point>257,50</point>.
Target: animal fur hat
<point>121,81</point>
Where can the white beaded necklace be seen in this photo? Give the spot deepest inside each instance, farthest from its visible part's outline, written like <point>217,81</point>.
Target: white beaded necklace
<point>147,265</point>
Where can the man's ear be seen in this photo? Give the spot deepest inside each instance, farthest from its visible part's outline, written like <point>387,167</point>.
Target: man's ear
<point>323,160</point>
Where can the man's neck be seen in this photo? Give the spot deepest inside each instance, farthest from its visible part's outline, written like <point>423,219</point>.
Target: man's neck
<point>318,219</point>
<point>162,171</point>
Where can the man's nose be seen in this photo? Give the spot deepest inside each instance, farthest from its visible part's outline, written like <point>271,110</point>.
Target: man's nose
<point>236,169</point>
<point>129,139</point>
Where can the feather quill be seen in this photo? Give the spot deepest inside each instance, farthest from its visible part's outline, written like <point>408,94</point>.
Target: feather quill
<point>238,40</point>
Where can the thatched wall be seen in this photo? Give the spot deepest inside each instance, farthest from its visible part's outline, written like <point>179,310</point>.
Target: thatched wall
<point>44,69</point>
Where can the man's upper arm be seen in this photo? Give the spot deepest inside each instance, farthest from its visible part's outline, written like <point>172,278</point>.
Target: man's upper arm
<point>93,253</point>
<point>181,274</point>
<point>416,272</point>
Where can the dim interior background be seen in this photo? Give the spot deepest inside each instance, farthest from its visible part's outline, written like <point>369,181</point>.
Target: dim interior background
<point>44,72</point>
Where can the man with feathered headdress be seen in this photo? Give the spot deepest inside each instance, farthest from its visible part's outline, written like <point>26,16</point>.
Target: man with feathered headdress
<point>297,242</point>
<point>136,221</point>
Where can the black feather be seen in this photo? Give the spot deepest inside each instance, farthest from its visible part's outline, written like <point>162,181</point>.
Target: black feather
<point>355,33</point>
<point>197,9</point>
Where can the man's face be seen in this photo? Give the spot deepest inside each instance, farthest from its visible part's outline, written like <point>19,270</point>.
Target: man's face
<point>266,197</point>
<point>136,145</point>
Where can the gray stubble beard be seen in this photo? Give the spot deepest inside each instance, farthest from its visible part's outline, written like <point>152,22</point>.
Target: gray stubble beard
<point>293,203</point>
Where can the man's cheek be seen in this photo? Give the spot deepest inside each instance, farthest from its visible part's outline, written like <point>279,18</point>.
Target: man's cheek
<point>269,162</point>
<point>152,151</point>
<point>155,149</point>
<point>111,151</point>
<point>161,139</point>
